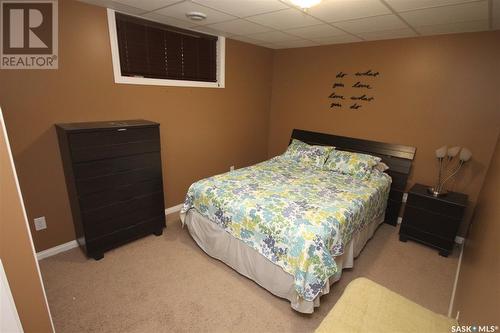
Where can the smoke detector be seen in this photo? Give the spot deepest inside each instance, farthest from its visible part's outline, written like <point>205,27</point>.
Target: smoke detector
<point>196,16</point>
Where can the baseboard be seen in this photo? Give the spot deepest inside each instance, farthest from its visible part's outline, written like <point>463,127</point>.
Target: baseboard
<point>455,283</point>
<point>71,245</point>
<point>174,209</point>
<point>56,249</point>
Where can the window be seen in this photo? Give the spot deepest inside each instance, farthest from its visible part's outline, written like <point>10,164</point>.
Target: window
<point>146,52</point>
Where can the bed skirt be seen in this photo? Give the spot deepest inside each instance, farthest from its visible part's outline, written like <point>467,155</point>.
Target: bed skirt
<point>219,244</point>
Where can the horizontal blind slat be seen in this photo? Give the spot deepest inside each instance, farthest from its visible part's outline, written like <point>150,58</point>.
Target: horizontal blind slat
<point>153,50</point>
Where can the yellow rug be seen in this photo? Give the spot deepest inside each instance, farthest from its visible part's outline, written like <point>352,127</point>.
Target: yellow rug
<point>367,307</point>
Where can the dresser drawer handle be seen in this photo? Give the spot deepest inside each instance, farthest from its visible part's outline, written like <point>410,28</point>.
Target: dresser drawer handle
<point>121,129</point>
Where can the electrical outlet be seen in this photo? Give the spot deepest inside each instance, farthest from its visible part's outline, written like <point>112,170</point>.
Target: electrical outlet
<point>40,223</point>
<point>400,220</point>
<point>405,197</point>
<point>231,168</point>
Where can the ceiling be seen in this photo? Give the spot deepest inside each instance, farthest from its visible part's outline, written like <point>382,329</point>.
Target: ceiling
<point>278,24</point>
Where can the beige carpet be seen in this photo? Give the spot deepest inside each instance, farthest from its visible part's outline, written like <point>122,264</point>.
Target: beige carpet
<point>168,284</point>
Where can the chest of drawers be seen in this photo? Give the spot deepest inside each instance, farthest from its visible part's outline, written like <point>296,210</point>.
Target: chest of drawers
<point>113,175</point>
<point>432,220</point>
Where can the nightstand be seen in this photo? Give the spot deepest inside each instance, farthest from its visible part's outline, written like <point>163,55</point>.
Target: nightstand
<point>431,220</point>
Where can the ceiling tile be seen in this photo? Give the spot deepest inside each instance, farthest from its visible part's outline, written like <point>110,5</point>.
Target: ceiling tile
<point>342,10</point>
<point>496,8</point>
<point>316,31</point>
<point>179,11</point>
<point>268,45</point>
<point>388,34</point>
<point>295,43</point>
<point>370,24</point>
<point>210,31</point>
<point>247,39</point>
<point>169,20</point>
<point>116,6</point>
<point>473,11</point>
<point>337,39</point>
<point>239,27</point>
<point>147,5</point>
<point>363,19</point>
<point>272,37</point>
<point>285,19</point>
<point>405,5</point>
<point>243,8</point>
<point>451,28</point>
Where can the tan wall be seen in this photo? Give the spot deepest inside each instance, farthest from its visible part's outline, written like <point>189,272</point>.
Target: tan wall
<point>432,91</point>
<point>478,291</point>
<point>204,131</point>
<point>16,251</point>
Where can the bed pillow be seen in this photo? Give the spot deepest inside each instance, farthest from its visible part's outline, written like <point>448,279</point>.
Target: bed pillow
<point>349,163</point>
<point>381,166</point>
<point>307,155</point>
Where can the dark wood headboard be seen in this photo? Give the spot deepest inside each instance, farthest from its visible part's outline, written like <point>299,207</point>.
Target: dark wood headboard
<point>398,157</point>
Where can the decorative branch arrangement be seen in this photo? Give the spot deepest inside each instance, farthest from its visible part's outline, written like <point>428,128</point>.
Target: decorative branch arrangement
<point>337,98</point>
<point>449,166</point>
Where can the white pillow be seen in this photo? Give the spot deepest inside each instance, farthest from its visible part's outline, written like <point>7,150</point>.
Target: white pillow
<point>381,166</point>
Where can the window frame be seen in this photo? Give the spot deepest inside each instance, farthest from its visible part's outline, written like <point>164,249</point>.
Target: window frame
<point>120,79</point>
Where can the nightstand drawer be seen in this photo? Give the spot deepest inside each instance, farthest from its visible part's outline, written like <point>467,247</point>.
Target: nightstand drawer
<point>432,220</point>
<point>424,220</point>
<point>427,238</point>
<point>436,206</point>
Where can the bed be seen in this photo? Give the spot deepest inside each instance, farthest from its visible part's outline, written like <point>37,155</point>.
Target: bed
<point>293,229</point>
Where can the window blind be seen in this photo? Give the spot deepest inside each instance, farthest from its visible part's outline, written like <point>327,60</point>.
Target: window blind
<point>154,50</point>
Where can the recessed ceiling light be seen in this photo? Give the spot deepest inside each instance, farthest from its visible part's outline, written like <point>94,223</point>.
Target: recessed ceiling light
<point>304,4</point>
<point>196,16</point>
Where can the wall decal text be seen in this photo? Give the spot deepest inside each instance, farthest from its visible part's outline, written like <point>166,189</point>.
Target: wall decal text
<point>361,85</point>
<point>362,98</point>
<point>362,80</point>
<point>368,73</point>
<point>334,95</point>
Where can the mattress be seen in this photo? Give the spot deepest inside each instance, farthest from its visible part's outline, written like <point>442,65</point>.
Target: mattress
<point>298,217</point>
<point>219,244</point>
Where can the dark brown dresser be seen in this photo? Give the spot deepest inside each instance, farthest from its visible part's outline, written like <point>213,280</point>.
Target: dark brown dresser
<point>432,220</point>
<point>114,178</point>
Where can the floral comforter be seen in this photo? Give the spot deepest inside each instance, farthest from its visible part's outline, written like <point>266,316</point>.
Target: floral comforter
<point>297,217</point>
